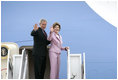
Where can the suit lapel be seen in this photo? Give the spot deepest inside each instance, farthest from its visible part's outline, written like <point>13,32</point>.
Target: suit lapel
<point>58,38</point>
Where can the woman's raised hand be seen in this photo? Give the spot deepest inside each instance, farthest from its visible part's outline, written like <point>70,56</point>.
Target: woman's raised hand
<point>51,29</point>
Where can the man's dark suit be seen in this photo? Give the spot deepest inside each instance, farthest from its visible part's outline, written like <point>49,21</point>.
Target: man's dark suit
<point>39,52</point>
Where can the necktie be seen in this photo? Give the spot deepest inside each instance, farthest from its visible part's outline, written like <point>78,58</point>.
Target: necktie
<point>45,33</point>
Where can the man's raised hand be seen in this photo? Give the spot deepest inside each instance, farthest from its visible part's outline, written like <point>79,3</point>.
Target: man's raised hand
<point>36,27</point>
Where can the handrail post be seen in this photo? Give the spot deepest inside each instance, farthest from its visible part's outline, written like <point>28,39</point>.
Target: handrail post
<point>21,64</point>
<point>68,63</point>
<point>7,76</point>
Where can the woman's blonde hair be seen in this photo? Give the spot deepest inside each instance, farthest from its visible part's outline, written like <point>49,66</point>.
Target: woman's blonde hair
<point>55,24</point>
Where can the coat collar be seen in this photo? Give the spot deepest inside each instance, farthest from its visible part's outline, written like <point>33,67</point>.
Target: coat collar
<point>58,38</point>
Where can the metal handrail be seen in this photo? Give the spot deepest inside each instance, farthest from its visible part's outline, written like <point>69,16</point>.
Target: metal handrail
<point>20,73</point>
<point>68,63</point>
<point>68,66</point>
<point>8,62</point>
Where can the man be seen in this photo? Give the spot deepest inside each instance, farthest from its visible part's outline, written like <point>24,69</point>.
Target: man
<point>40,48</point>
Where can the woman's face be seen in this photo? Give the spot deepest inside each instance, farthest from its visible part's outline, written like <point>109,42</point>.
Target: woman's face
<point>56,29</point>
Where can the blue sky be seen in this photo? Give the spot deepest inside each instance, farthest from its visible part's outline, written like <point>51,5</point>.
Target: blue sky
<point>81,29</point>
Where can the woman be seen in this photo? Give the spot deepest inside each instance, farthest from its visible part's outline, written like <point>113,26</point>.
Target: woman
<point>55,50</point>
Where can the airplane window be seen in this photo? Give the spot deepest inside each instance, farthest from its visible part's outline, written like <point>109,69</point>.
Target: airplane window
<point>4,51</point>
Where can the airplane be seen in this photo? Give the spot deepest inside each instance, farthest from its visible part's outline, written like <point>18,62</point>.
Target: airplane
<point>87,27</point>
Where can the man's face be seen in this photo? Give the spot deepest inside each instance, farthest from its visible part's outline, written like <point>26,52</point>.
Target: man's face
<point>43,24</point>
